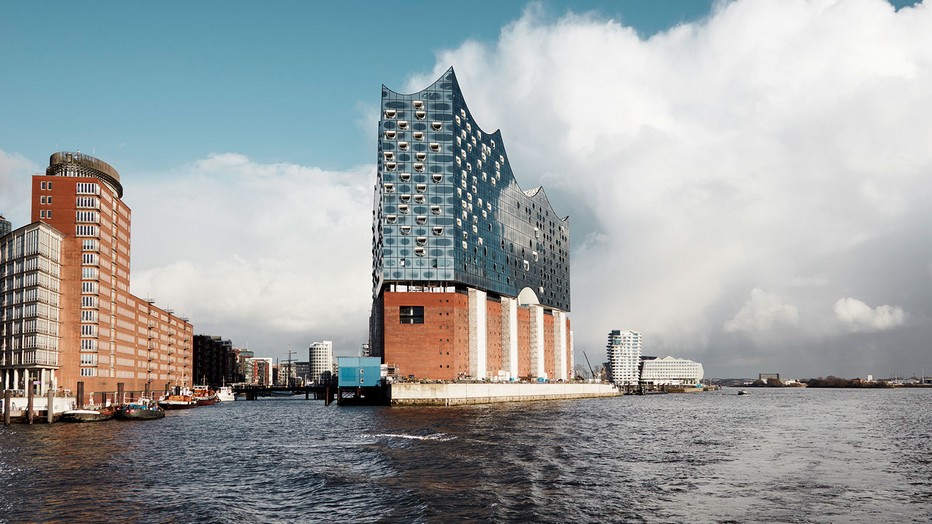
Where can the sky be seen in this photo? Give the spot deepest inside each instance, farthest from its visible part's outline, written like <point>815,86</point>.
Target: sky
<point>747,180</point>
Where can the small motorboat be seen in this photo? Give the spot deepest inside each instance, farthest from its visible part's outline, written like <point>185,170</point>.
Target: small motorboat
<point>742,392</point>
<point>87,415</point>
<point>142,409</point>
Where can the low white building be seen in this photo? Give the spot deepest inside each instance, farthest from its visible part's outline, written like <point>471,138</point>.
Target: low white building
<point>671,371</point>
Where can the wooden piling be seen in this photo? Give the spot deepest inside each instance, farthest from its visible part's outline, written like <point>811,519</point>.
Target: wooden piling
<point>7,408</point>
<point>80,403</point>
<point>30,396</point>
<point>50,415</point>
<point>119,398</point>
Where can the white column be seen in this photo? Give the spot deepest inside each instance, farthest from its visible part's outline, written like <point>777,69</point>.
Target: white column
<point>537,342</point>
<point>559,345</point>
<point>572,352</point>
<point>478,334</point>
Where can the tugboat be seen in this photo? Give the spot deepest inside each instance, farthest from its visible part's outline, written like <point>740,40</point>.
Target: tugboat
<point>142,409</point>
<point>205,396</point>
<point>180,399</point>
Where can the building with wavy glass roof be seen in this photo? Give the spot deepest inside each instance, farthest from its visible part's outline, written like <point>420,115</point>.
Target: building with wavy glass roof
<point>470,272</point>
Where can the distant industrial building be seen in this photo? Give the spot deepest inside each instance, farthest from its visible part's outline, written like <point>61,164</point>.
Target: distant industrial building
<point>68,319</point>
<point>470,273</point>
<point>670,371</point>
<point>624,357</point>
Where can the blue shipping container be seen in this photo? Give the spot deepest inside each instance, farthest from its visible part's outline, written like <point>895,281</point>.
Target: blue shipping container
<point>359,371</point>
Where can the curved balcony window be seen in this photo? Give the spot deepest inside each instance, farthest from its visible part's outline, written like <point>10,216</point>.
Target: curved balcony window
<point>390,134</point>
<point>404,177</point>
<point>418,135</point>
<point>437,178</point>
<point>418,199</point>
<point>420,251</point>
<point>434,146</point>
<point>390,166</point>
<point>421,220</point>
<point>438,231</point>
<point>389,187</point>
<point>391,219</point>
<point>405,230</point>
<point>389,155</point>
<point>435,210</point>
<point>402,124</point>
<point>421,188</point>
<point>418,104</point>
<point>403,146</point>
<point>390,113</point>
<point>420,114</point>
<point>405,198</point>
<point>421,156</point>
<point>421,241</point>
<point>437,126</point>
<point>403,209</point>
<point>419,167</point>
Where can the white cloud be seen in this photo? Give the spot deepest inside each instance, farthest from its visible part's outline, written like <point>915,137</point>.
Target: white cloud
<point>14,194</point>
<point>271,255</point>
<point>762,312</point>
<point>859,317</point>
<point>770,140</point>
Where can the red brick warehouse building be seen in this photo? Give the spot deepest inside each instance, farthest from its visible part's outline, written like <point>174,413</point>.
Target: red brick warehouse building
<point>471,274</point>
<point>67,313</point>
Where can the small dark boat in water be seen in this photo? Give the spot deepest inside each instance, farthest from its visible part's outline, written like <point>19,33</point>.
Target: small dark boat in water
<point>87,415</point>
<point>142,409</point>
<point>742,392</point>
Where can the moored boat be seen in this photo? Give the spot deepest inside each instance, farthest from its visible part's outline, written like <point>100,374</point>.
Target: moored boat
<point>205,396</point>
<point>225,394</point>
<point>177,401</point>
<point>141,409</point>
<point>87,415</point>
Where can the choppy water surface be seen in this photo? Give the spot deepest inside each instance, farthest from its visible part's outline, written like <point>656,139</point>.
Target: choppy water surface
<point>775,455</point>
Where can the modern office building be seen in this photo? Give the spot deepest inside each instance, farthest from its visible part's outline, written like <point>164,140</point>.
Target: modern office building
<point>215,361</point>
<point>320,356</point>
<point>624,357</point>
<point>670,371</point>
<point>68,317</point>
<point>5,226</point>
<point>471,274</point>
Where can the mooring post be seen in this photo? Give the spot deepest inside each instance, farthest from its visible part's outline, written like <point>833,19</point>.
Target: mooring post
<point>30,397</point>
<point>7,409</point>
<point>80,403</point>
<point>119,399</point>
<point>50,416</point>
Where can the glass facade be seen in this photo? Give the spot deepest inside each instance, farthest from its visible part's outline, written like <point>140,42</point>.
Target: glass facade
<point>448,210</point>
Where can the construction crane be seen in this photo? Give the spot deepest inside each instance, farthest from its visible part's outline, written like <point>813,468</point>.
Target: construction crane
<point>591,373</point>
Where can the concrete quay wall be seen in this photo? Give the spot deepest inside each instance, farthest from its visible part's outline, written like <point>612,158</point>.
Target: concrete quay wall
<point>486,393</point>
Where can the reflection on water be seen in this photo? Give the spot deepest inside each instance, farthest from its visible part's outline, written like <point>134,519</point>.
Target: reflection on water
<point>786,455</point>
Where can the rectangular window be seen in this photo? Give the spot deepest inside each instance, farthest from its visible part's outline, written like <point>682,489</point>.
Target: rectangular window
<point>411,314</point>
<point>88,359</point>
<point>88,372</point>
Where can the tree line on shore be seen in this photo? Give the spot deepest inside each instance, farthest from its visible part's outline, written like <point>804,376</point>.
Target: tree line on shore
<point>825,382</point>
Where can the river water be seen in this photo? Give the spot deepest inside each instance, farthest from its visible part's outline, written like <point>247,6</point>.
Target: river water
<point>774,455</point>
